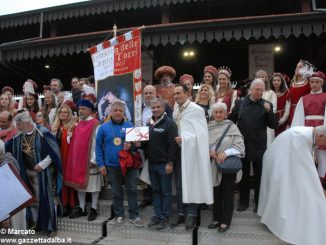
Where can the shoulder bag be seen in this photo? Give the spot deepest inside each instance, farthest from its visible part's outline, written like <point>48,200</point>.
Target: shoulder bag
<point>231,164</point>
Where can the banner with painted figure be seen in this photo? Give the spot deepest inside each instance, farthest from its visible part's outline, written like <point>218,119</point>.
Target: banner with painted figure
<point>117,72</point>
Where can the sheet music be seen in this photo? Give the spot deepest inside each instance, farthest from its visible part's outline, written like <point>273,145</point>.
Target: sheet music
<point>12,192</point>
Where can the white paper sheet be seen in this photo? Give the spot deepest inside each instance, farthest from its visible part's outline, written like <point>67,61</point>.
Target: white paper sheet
<point>137,134</point>
<point>12,192</point>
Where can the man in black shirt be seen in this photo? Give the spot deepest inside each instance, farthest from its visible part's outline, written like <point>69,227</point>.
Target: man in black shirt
<point>253,115</point>
<point>161,151</point>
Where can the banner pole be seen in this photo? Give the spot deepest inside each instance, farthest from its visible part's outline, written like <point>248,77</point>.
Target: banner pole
<point>115,30</point>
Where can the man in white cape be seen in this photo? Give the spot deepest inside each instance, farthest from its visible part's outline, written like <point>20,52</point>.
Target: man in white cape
<point>292,202</point>
<point>193,174</point>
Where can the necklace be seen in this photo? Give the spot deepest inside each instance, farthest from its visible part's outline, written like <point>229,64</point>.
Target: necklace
<point>179,112</point>
<point>116,140</point>
<point>28,144</point>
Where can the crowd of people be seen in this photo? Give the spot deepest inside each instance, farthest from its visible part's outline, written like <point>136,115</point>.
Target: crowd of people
<point>63,151</point>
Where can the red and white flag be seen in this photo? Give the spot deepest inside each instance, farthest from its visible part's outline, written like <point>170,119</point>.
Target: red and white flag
<point>112,58</point>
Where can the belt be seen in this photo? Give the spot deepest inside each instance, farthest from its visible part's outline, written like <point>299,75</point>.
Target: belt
<point>314,117</point>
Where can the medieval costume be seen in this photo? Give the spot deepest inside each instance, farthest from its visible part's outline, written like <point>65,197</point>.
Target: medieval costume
<point>299,85</point>
<point>7,134</point>
<point>310,112</point>
<point>82,173</point>
<point>39,147</point>
<point>197,184</point>
<point>68,194</point>
<point>282,112</point>
<point>297,90</point>
<point>229,99</point>
<point>165,90</point>
<point>292,203</point>
<point>79,172</point>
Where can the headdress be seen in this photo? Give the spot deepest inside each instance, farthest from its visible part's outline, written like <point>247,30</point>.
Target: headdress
<point>90,97</point>
<point>164,70</point>
<point>212,70</point>
<point>70,104</point>
<point>318,75</point>
<point>185,77</point>
<point>307,70</point>
<point>7,88</point>
<point>224,70</point>
<point>85,103</point>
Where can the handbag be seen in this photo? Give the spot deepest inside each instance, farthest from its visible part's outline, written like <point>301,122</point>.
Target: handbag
<point>231,164</point>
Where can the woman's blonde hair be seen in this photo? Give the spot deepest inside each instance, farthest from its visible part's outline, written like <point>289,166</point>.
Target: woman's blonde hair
<point>211,94</point>
<point>229,89</point>
<point>70,122</point>
<point>10,108</point>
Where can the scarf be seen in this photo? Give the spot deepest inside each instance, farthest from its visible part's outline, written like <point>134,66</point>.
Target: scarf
<point>233,138</point>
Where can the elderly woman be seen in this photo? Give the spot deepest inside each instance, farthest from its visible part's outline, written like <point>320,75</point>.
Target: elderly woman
<point>232,144</point>
<point>205,98</point>
<point>62,128</point>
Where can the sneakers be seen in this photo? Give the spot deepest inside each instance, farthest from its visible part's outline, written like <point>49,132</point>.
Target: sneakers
<point>92,215</point>
<point>137,222</point>
<point>162,224</point>
<point>119,221</point>
<point>78,212</point>
<point>154,221</point>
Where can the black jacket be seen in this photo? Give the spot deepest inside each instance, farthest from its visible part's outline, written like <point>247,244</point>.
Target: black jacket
<point>161,147</point>
<point>252,122</point>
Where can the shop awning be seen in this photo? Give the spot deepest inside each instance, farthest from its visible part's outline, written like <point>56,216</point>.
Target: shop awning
<point>244,28</point>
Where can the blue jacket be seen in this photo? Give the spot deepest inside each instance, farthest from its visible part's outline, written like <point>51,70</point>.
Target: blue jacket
<point>107,154</point>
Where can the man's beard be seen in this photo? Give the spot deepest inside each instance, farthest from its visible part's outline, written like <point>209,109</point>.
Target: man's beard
<point>83,117</point>
<point>166,82</point>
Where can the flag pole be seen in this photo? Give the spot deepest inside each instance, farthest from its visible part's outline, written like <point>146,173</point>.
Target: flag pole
<point>115,28</point>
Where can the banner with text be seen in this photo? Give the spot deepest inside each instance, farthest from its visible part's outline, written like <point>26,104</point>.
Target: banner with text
<point>117,72</point>
<point>261,57</point>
